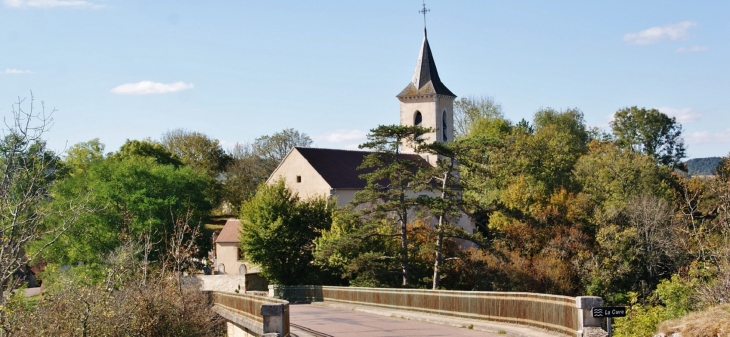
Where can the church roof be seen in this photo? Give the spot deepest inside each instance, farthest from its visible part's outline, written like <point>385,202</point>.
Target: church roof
<point>339,168</point>
<point>230,232</point>
<point>426,79</point>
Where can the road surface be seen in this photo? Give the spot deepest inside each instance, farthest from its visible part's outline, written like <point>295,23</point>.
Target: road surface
<point>310,320</point>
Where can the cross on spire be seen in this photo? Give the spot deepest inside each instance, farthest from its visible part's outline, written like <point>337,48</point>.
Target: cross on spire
<point>424,11</point>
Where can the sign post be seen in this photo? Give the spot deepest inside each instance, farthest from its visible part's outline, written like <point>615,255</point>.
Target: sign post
<point>608,312</point>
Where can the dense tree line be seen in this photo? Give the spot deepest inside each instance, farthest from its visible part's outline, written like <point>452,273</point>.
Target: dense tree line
<point>559,208</point>
<point>703,166</point>
<point>114,233</point>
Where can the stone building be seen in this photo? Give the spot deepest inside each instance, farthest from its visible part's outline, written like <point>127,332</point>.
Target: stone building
<point>331,173</point>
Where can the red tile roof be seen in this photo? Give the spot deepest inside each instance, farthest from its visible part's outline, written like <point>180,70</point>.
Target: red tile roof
<point>230,232</point>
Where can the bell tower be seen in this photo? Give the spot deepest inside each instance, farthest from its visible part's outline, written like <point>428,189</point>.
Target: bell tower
<point>426,101</point>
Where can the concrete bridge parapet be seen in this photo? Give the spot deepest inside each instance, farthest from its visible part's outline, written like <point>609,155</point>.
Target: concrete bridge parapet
<point>251,315</point>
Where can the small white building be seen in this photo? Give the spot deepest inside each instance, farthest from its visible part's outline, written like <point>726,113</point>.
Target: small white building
<point>228,258</point>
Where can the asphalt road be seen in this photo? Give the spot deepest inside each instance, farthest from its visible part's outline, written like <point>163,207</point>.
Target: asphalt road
<point>309,320</point>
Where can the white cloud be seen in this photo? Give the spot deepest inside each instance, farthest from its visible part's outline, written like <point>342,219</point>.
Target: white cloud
<point>51,3</point>
<point>149,87</point>
<point>675,32</point>
<point>16,71</point>
<point>692,49</point>
<point>704,137</point>
<point>341,139</point>
<point>684,115</point>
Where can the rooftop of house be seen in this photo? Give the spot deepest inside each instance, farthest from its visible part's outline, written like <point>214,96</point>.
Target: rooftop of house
<point>231,232</point>
<point>339,168</point>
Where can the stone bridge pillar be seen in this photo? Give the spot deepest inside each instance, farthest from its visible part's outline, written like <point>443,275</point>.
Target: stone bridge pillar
<point>589,326</point>
<point>276,320</point>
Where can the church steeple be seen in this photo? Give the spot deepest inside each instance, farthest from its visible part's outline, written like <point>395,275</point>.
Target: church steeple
<point>426,101</point>
<point>426,79</point>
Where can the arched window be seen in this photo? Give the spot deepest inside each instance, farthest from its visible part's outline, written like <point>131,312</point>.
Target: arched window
<point>444,126</point>
<point>418,119</point>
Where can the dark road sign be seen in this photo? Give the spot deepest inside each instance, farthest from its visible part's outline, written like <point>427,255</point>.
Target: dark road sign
<point>608,312</point>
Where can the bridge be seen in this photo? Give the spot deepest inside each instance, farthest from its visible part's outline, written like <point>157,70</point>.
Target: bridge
<point>278,314</point>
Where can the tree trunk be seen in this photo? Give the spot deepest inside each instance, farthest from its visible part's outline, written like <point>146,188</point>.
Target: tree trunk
<point>405,264</point>
<point>440,233</point>
<point>439,256</point>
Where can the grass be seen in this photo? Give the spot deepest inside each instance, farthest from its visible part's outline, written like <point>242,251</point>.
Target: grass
<point>501,332</point>
<point>714,321</point>
<point>213,227</point>
<point>217,222</point>
<point>33,299</point>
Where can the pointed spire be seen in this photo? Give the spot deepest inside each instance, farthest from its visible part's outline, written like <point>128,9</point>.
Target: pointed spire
<point>426,74</point>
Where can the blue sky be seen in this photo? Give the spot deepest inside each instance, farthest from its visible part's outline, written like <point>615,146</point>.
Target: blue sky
<point>237,70</point>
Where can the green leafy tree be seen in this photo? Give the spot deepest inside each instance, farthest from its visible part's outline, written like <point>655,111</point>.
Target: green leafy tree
<point>195,150</point>
<point>468,110</point>
<point>81,155</point>
<point>251,164</point>
<point>519,186</point>
<point>723,168</point>
<point>387,195</point>
<point>135,199</point>
<point>650,132</point>
<point>357,252</point>
<point>446,203</point>
<point>245,172</point>
<point>278,230</point>
<point>539,157</point>
<point>147,148</point>
<point>612,175</point>
<point>631,219</point>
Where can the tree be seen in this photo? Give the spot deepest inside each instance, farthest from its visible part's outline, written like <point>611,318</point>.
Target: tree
<point>539,157</point>
<point>28,172</point>
<point>196,150</point>
<point>630,193</point>
<point>650,132</point>
<point>81,155</point>
<point>392,178</point>
<point>134,198</point>
<point>278,230</point>
<point>271,150</point>
<point>723,168</point>
<point>447,205</point>
<point>351,249</point>
<point>251,164</point>
<point>147,148</point>
<point>519,186</point>
<point>468,110</point>
<point>613,175</point>
<point>132,299</point>
<point>244,174</point>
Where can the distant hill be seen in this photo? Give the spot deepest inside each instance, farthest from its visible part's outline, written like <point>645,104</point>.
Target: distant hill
<point>702,166</point>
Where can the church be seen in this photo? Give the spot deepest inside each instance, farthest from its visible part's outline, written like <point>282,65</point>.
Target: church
<point>332,173</point>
